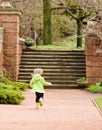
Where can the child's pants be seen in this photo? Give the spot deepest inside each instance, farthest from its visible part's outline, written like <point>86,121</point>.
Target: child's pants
<point>38,96</point>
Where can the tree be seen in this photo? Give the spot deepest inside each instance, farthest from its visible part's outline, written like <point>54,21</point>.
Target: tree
<point>47,22</point>
<point>32,17</point>
<point>31,20</point>
<point>79,18</point>
<point>79,10</point>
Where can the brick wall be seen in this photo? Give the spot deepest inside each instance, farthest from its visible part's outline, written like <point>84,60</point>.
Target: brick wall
<point>93,58</point>
<point>1,62</point>
<point>9,19</point>
<point>1,50</point>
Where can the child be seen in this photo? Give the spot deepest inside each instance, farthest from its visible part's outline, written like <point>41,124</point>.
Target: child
<point>37,83</point>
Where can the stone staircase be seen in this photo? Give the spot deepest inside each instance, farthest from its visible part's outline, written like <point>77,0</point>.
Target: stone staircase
<point>61,67</point>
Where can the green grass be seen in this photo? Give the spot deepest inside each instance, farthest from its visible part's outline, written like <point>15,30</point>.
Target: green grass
<point>98,101</point>
<point>69,43</point>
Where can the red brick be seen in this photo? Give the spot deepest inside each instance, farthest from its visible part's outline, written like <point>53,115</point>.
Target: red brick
<point>94,71</point>
<point>93,59</point>
<point>10,27</point>
<point>93,80</point>
<point>11,37</point>
<point>12,18</point>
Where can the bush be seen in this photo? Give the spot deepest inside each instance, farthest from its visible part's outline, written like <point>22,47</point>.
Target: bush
<point>82,82</point>
<point>11,92</point>
<point>10,96</point>
<point>96,88</point>
<point>83,79</point>
<point>20,85</point>
<point>5,80</point>
<point>4,86</point>
<point>14,85</point>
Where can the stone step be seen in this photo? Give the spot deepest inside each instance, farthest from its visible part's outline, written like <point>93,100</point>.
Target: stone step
<point>70,77</point>
<point>57,79</point>
<point>28,50</point>
<point>62,82</point>
<point>52,57</point>
<point>62,86</point>
<point>70,70</point>
<point>52,75</point>
<point>68,64</point>
<point>63,77</point>
<point>53,66</point>
<point>57,86</point>
<point>52,60</point>
<point>62,68</point>
<point>52,54</point>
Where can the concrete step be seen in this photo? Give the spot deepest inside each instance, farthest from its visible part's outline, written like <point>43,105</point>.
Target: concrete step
<point>56,70</point>
<point>52,75</point>
<point>62,68</point>
<point>55,64</point>
<point>24,57</point>
<point>29,60</point>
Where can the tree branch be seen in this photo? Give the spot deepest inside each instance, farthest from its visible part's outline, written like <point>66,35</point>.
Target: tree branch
<point>56,8</point>
<point>86,15</point>
<point>68,10</point>
<point>71,14</point>
<point>56,2</point>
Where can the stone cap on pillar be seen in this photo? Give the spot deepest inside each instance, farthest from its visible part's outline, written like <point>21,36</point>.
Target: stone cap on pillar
<point>6,3</point>
<point>7,8</point>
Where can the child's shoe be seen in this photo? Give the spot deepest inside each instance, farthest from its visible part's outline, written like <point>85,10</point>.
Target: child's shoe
<point>40,102</point>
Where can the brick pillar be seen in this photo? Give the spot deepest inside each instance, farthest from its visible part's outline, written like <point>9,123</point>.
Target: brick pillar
<point>1,50</point>
<point>9,20</point>
<point>93,59</point>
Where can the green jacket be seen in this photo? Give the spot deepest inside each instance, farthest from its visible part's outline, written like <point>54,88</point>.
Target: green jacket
<point>37,83</point>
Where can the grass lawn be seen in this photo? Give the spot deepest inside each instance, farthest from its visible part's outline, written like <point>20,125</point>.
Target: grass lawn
<point>69,43</point>
<point>98,102</point>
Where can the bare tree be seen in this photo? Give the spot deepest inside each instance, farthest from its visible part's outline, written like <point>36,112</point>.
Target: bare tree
<point>80,10</point>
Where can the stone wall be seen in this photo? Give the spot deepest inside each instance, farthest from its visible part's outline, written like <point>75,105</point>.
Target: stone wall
<point>9,20</point>
<point>93,53</point>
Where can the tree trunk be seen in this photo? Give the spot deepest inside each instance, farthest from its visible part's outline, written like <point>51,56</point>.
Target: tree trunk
<point>79,33</point>
<point>79,19</point>
<point>46,22</point>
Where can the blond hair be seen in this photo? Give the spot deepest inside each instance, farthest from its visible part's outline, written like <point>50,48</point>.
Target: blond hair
<point>38,71</point>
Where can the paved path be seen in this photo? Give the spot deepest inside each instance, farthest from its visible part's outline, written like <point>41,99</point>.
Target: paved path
<point>62,110</point>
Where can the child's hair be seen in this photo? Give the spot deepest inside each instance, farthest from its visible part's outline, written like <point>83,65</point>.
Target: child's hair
<point>38,71</point>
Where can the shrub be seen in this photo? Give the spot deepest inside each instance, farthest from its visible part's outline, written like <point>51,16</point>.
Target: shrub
<point>96,88</point>
<point>29,40</point>
<point>15,85</point>
<point>8,96</point>
<point>83,79</point>
<point>5,80</point>
<point>11,92</point>
<point>4,86</point>
<point>20,85</point>
<point>82,82</point>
